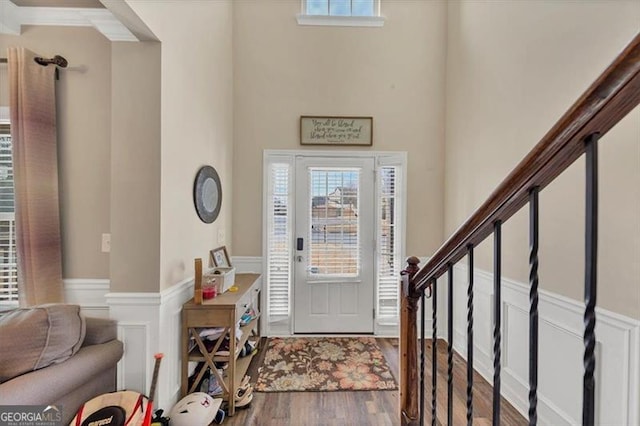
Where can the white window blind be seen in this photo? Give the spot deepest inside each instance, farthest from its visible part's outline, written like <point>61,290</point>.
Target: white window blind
<point>388,237</point>
<point>279,241</point>
<point>335,246</point>
<point>8,264</point>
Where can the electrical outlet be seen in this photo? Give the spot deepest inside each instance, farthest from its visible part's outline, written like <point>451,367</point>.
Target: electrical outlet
<point>220,236</point>
<point>106,243</point>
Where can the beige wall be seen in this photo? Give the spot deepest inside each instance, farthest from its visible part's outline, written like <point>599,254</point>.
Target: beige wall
<point>197,123</point>
<point>84,123</point>
<point>513,69</point>
<point>135,167</point>
<point>394,74</point>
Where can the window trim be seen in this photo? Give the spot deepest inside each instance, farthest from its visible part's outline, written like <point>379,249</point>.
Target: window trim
<point>340,21</point>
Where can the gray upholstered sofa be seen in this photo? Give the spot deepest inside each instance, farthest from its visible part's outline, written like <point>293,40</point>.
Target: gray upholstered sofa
<point>60,357</point>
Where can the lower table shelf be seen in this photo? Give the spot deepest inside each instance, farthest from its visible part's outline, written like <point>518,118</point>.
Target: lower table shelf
<point>224,311</point>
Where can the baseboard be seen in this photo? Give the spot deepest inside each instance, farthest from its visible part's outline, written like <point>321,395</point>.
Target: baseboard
<point>560,365</point>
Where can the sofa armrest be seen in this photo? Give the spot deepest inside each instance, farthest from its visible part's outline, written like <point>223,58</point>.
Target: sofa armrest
<point>100,330</point>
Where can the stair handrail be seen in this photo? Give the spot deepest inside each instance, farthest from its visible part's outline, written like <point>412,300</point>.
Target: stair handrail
<point>612,96</point>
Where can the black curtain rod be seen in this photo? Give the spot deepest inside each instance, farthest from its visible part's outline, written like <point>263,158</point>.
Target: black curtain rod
<point>56,60</point>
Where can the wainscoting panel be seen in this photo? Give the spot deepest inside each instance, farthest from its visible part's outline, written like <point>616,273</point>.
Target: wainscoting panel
<point>170,337</point>
<point>561,348</point>
<point>132,368</point>
<point>149,323</point>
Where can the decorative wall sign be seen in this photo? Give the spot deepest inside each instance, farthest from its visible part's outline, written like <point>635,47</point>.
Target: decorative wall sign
<point>207,194</point>
<point>346,131</point>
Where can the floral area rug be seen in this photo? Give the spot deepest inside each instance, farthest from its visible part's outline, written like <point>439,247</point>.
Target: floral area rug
<point>324,364</point>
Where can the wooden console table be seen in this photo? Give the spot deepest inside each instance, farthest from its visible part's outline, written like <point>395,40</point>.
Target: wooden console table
<point>224,311</point>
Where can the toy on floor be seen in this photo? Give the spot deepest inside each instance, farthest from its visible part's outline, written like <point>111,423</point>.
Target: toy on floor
<point>196,409</point>
<point>127,408</point>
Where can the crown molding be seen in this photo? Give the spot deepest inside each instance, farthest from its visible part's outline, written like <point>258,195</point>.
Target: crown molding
<point>13,17</point>
<point>9,23</point>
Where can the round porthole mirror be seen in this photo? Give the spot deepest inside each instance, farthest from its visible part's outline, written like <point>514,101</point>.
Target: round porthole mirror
<point>207,194</point>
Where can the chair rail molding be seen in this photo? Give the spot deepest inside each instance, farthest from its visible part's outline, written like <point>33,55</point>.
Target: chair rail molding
<point>248,264</point>
<point>89,293</point>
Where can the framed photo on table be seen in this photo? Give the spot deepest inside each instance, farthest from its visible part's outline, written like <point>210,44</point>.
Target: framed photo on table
<point>220,257</point>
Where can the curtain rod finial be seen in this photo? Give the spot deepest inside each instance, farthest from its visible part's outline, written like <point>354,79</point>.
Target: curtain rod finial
<point>56,60</point>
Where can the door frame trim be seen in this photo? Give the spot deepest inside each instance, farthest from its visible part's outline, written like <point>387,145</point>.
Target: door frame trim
<point>381,158</point>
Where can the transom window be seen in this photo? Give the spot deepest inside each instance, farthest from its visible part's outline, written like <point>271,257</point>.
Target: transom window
<point>341,7</point>
<point>342,13</point>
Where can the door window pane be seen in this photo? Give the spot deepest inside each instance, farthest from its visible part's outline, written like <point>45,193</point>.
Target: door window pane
<point>334,248</point>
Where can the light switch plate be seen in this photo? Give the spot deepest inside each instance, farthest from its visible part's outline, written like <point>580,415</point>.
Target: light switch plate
<point>106,243</point>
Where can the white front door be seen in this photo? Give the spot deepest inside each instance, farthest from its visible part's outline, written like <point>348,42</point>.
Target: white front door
<point>334,245</point>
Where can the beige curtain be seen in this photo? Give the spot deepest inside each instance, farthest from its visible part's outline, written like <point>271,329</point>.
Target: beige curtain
<point>32,110</point>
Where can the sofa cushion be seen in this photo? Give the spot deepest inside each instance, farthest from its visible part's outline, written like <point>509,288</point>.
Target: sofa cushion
<point>100,330</point>
<point>35,337</point>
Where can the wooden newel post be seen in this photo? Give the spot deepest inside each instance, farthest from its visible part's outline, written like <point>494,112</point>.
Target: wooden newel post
<point>409,345</point>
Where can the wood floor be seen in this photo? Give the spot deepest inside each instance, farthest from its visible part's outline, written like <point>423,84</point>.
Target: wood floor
<point>371,407</point>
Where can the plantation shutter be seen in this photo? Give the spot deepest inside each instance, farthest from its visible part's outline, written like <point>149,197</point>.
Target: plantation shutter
<point>8,264</point>
<point>388,237</point>
<point>279,241</point>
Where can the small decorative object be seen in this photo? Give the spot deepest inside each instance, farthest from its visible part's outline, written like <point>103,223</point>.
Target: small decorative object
<point>220,257</point>
<point>222,268</point>
<point>210,286</point>
<point>209,292</point>
<point>227,278</point>
<point>207,194</point>
<point>326,130</point>
<point>197,285</point>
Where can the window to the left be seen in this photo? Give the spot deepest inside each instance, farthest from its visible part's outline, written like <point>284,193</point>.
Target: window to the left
<point>8,261</point>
